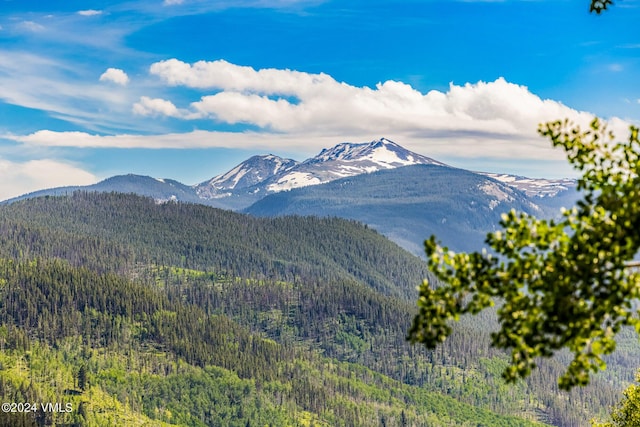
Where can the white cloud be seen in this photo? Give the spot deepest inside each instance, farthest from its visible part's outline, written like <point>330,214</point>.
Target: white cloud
<point>65,91</point>
<point>293,101</point>
<point>224,75</point>
<point>21,178</point>
<point>194,139</point>
<point>155,107</point>
<point>303,112</point>
<point>89,12</point>
<point>115,75</point>
<point>172,2</point>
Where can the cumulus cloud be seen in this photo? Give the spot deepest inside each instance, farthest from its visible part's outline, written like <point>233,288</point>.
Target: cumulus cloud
<point>304,112</point>
<point>21,178</point>
<point>155,107</point>
<point>224,75</point>
<point>115,75</point>
<point>293,101</point>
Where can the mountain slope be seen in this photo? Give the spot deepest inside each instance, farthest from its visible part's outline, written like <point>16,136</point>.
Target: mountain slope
<point>408,204</point>
<point>195,316</point>
<point>205,238</point>
<point>535,187</point>
<point>262,175</point>
<point>247,174</point>
<point>151,360</point>
<point>156,188</point>
<point>345,160</point>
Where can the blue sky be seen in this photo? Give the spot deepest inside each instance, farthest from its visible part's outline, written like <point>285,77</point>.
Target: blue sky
<point>186,89</point>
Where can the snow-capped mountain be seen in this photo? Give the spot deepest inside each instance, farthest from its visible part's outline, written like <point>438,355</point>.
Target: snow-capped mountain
<point>260,176</point>
<point>535,187</point>
<point>380,154</point>
<point>404,195</point>
<point>247,174</point>
<point>271,174</point>
<point>345,160</point>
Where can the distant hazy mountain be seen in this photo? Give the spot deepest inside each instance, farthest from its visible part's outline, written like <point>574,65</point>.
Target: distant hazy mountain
<point>536,187</point>
<point>156,188</point>
<point>409,204</point>
<point>261,175</point>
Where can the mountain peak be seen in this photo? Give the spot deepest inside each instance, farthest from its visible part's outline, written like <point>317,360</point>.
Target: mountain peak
<point>248,173</point>
<point>381,153</point>
<point>270,174</point>
<point>383,141</point>
<point>347,159</point>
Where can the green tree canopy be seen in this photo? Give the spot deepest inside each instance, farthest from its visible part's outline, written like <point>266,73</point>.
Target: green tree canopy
<point>560,284</point>
<point>627,412</point>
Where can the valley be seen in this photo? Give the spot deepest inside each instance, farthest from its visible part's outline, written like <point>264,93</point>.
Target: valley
<point>182,314</point>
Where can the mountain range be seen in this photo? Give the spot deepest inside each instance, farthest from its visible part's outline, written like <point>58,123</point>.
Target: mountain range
<point>402,194</point>
<point>260,176</point>
<point>408,204</point>
<point>283,313</point>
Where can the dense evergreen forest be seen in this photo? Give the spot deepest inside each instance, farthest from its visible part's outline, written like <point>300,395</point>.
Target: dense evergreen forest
<point>137,313</point>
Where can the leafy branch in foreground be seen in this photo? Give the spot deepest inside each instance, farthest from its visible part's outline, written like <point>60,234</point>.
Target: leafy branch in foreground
<point>561,284</point>
<point>598,6</point>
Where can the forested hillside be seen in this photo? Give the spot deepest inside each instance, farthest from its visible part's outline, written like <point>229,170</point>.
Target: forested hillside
<point>140,231</point>
<point>138,313</point>
<point>409,204</point>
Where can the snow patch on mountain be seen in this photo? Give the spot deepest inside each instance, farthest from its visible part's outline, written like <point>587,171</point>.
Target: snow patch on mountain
<point>535,187</point>
<point>492,189</point>
<point>293,180</point>
<point>382,153</point>
<point>345,160</point>
<point>271,174</point>
<point>245,175</point>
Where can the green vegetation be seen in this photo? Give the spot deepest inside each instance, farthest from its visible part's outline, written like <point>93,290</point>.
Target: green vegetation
<point>127,354</point>
<point>134,230</point>
<point>563,285</point>
<point>152,321</point>
<point>627,412</point>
